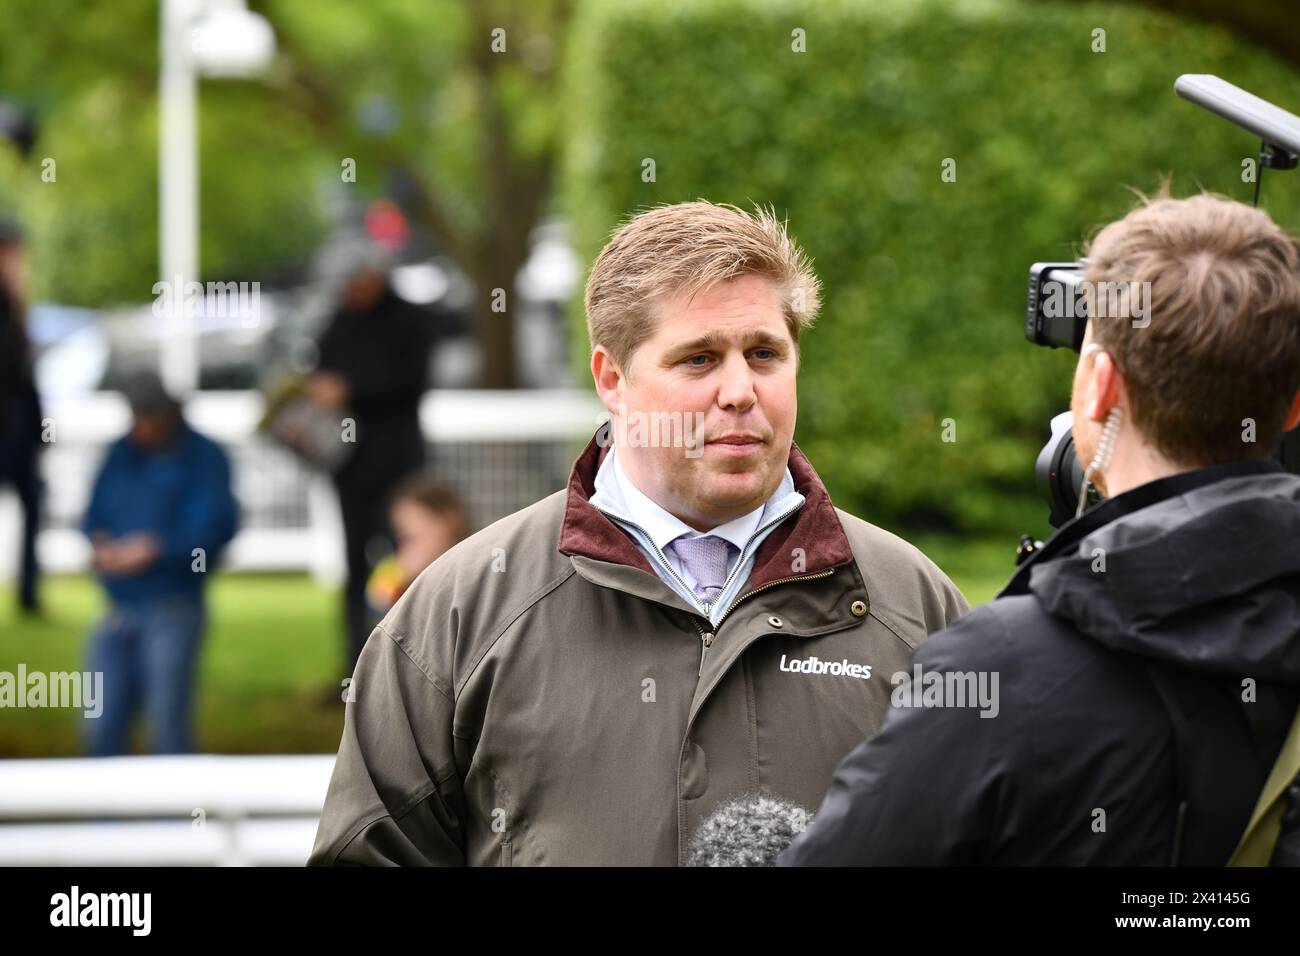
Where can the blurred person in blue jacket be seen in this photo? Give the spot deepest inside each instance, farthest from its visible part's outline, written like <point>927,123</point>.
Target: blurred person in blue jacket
<point>160,513</point>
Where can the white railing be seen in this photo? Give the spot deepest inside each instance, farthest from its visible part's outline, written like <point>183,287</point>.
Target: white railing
<point>202,810</point>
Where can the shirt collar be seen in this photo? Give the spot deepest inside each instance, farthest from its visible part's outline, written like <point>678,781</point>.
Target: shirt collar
<point>814,527</point>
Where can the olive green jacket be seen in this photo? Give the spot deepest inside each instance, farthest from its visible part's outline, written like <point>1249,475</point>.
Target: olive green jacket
<point>540,696</point>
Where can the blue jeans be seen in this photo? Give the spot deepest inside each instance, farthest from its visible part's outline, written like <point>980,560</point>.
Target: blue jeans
<point>147,652</point>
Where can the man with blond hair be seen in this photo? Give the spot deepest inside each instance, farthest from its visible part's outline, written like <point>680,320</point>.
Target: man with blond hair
<point>1149,654</point>
<point>690,619</point>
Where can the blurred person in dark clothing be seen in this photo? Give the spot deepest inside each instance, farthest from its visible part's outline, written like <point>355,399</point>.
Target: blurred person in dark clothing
<point>160,514</point>
<point>20,407</point>
<point>374,357</point>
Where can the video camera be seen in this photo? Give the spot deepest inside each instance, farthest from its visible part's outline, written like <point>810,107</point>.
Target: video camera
<point>1057,313</point>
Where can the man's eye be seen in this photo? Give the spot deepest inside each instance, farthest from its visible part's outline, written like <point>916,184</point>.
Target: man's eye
<point>691,360</point>
<point>767,353</point>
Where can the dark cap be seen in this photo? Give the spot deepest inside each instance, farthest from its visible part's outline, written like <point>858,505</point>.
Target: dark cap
<point>145,393</point>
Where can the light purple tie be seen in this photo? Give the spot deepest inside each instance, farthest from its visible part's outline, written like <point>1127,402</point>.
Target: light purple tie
<point>706,558</point>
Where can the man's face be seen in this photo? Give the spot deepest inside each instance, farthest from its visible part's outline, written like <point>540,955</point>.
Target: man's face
<point>364,289</point>
<point>422,535</point>
<point>729,356</point>
<point>150,431</point>
<point>12,268</point>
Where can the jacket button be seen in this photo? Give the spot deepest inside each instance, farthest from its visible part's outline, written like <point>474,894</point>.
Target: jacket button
<point>775,621</point>
<point>858,608</point>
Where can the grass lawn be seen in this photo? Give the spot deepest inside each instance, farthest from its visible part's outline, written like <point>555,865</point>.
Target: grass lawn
<point>273,651</point>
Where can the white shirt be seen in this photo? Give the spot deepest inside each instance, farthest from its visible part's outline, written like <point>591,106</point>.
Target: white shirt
<point>653,528</point>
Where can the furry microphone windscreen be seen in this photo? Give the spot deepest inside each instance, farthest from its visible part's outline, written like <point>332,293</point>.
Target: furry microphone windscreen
<point>750,830</point>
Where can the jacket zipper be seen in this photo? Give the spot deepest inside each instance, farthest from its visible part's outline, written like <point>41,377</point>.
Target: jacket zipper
<point>706,641</point>
<point>734,571</point>
<point>706,637</point>
<point>743,558</point>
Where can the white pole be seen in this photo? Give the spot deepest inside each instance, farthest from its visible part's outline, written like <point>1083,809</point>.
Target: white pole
<point>178,204</point>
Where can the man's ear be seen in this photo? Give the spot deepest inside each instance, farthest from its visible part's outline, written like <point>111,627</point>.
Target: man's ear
<point>1106,388</point>
<point>608,378</point>
<point>1293,416</point>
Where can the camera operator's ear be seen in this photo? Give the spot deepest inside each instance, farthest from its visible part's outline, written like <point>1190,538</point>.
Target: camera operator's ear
<point>1105,387</point>
<point>1293,416</point>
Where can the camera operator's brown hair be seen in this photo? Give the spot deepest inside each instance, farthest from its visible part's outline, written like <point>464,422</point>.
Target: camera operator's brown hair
<point>1223,343</point>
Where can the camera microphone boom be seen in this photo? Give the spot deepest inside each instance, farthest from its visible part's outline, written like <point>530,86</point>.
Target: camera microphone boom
<point>1274,125</point>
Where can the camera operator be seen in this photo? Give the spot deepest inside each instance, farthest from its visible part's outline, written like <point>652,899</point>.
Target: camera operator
<point>1147,660</point>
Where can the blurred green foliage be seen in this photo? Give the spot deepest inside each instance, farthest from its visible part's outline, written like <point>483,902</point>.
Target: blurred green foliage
<point>89,74</point>
<point>389,84</point>
<point>924,280</point>
<point>415,98</point>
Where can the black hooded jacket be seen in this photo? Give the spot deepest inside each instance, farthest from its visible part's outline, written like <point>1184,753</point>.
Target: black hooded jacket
<point>1187,586</point>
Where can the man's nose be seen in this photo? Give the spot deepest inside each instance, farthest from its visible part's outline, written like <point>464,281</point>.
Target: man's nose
<point>736,384</point>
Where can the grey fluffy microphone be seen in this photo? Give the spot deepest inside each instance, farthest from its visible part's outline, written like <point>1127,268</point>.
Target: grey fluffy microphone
<point>749,830</point>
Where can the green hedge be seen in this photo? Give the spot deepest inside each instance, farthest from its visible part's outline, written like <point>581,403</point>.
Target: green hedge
<point>925,279</point>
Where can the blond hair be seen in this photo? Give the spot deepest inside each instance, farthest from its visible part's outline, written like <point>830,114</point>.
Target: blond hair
<point>1223,344</point>
<point>685,249</point>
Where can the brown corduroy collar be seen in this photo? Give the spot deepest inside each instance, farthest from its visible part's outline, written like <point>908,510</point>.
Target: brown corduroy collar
<point>815,527</point>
